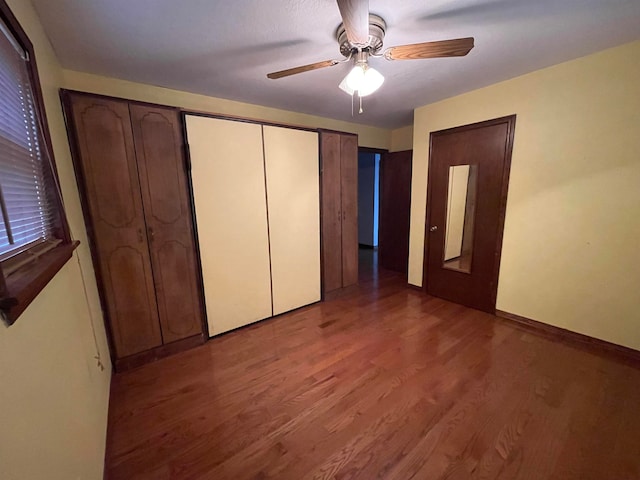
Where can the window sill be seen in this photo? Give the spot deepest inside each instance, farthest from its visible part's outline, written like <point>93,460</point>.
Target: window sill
<point>25,284</point>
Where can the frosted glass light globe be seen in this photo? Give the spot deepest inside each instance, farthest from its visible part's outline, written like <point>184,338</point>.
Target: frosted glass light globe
<point>356,77</point>
<point>371,82</point>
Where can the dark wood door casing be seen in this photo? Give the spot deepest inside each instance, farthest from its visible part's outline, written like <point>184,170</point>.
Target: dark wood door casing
<point>395,209</point>
<point>488,145</point>
<point>108,167</point>
<point>161,166</point>
<point>349,188</point>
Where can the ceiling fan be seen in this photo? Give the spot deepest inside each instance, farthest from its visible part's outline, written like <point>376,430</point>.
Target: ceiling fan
<point>360,36</point>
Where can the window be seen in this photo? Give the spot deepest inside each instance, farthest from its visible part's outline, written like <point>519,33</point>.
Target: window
<point>34,236</point>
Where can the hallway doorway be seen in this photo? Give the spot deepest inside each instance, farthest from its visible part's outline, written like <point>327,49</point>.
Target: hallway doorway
<point>368,211</point>
<point>368,198</point>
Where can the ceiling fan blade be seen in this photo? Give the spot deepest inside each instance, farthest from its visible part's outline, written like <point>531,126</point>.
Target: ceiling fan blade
<point>304,68</point>
<point>355,16</point>
<point>458,47</point>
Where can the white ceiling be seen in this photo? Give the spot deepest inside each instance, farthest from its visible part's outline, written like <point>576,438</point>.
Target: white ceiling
<point>225,48</point>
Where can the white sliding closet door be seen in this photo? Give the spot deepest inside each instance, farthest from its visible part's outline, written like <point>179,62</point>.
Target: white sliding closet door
<point>229,193</point>
<point>293,198</point>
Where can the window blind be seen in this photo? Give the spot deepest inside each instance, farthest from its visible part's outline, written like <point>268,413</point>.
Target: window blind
<point>27,210</point>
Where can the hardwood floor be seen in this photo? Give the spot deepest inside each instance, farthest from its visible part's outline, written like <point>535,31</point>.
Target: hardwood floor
<point>380,382</point>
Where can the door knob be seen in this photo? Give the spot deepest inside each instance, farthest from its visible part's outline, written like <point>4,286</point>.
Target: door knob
<point>434,228</point>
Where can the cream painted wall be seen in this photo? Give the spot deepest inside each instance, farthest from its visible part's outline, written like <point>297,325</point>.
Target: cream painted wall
<point>53,397</point>
<point>367,136</point>
<point>401,139</point>
<point>571,251</point>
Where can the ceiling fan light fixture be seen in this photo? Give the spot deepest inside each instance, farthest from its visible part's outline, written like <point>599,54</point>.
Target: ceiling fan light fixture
<point>362,79</point>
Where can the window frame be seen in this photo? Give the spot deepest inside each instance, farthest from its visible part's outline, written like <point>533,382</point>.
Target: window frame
<point>20,288</point>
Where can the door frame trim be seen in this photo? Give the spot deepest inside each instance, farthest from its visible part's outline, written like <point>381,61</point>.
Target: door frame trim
<point>510,120</point>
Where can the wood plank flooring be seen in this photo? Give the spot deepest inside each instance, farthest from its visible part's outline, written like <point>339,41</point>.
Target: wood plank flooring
<point>380,382</point>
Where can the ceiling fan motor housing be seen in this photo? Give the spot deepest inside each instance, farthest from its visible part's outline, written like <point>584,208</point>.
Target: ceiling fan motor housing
<point>377,28</point>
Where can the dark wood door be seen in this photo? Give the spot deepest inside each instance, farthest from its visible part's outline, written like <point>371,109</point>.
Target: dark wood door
<point>163,180</point>
<point>331,212</point>
<point>349,195</point>
<point>108,171</point>
<point>395,207</point>
<point>468,180</point>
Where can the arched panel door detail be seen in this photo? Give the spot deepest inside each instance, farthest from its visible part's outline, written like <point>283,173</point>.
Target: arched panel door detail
<point>107,164</point>
<point>158,143</point>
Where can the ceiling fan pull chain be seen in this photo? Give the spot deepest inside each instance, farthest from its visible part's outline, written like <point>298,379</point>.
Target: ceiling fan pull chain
<point>360,111</point>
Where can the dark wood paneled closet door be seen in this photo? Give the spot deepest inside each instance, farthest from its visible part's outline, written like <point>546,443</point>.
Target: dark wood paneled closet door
<point>339,154</point>
<point>158,143</point>
<point>112,188</point>
<point>349,181</point>
<point>331,212</point>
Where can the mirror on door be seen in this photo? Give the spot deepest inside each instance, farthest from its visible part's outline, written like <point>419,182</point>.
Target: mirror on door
<point>461,206</point>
